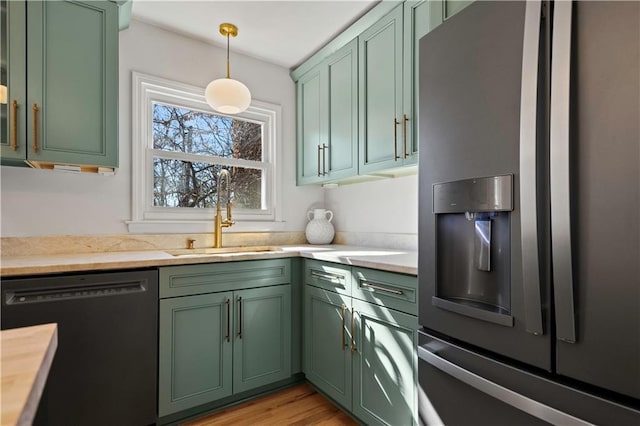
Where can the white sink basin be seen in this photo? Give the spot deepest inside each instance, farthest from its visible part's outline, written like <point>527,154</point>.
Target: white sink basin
<point>222,250</point>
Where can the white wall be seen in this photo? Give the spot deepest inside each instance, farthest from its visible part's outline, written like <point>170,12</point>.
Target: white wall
<point>385,206</point>
<point>37,202</point>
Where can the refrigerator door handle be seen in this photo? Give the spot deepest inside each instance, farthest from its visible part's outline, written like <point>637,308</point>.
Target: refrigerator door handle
<point>528,166</point>
<point>559,173</point>
<point>516,400</point>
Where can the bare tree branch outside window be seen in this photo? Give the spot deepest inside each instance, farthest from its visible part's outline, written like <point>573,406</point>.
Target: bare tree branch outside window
<point>180,182</point>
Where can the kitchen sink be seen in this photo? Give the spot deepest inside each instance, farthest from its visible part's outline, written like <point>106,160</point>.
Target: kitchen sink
<point>222,250</point>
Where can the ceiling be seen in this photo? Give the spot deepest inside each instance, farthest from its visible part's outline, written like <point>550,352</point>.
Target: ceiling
<point>280,32</point>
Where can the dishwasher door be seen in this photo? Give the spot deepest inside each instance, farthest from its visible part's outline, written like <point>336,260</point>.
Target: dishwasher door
<point>105,368</point>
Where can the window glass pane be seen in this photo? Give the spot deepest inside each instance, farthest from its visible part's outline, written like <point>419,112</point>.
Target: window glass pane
<point>247,187</point>
<point>196,132</point>
<point>178,183</point>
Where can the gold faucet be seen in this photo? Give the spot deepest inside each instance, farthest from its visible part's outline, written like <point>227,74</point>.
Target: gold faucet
<point>219,223</point>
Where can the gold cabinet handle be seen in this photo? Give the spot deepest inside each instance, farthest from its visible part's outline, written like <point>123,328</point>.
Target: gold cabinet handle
<point>319,149</point>
<point>395,139</point>
<point>404,134</point>
<point>353,334</point>
<point>14,125</point>
<point>35,127</point>
<point>228,336</point>
<point>324,159</point>
<point>381,288</point>
<point>333,279</point>
<point>240,317</point>
<point>344,314</point>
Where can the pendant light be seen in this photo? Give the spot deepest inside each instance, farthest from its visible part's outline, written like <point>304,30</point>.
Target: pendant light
<point>227,95</point>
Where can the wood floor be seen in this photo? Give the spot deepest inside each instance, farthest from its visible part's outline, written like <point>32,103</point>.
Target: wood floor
<point>298,405</point>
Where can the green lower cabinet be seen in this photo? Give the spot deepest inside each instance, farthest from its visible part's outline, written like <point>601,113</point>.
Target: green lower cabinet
<point>195,356</point>
<point>219,344</point>
<point>385,365</point>
<point>327,354</point>
<point>262,341</point>
<point>374,376</point>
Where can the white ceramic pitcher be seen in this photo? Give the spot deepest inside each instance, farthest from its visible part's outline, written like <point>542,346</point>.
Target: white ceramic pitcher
<point>319,229</point>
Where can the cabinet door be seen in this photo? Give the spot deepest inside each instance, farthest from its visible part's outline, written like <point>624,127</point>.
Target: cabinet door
<point>385,366</point>
<point>441,10</point>
<point>380,82</point>
<point>340,158</point>
<point>72,80</point>
<point>311,123</point>
<point>13,76</point>
<point>195,351</point>
<point>417,23</point>
<point>327,342</point>
<point>262,343</point>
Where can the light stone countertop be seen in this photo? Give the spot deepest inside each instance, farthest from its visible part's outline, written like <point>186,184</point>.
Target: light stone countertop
<point>27,354</point>
<point>401,261</point>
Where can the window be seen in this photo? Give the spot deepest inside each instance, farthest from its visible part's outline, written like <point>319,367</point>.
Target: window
<point>179,147</point>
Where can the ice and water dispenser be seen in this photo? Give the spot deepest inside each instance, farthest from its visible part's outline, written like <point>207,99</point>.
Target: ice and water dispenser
<point>474,247</point>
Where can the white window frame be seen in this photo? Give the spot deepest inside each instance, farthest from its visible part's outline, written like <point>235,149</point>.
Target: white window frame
<point>146,217</point>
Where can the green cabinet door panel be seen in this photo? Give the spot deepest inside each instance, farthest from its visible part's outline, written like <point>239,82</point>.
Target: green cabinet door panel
<point>388,289</point>
<point>417,23</point>
<point>195,355</point>
<point>341,155</point>
<point>327,353</point>
<point>380,83</point>
<point>327,101</point>
<point>385,366</point>
<point>72,73</point>
<point>311,122</point>
<point>262,337</point>
<point>329,276</point>
<point>186,280</point>
<point>441,10</point>
<point>14,69</point>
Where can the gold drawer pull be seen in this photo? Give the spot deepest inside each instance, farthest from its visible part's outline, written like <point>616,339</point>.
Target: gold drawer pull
<point>334,279</point>
<point>35,127</point>
<point>353,329</point>
<point>395,139</point>
<point>14,125</point>
<point>404,135</point>
<point>344,314</point>
<point>380,288</point>
<point>228,336</point>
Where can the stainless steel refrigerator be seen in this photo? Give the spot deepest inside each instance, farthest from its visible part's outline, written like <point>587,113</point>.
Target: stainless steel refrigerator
<point>529,211</point>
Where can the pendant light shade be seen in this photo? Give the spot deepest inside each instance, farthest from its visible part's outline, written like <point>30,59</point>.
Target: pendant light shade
<point>227,95</point>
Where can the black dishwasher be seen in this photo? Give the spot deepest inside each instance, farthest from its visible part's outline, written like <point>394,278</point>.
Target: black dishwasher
<point>105,368</point>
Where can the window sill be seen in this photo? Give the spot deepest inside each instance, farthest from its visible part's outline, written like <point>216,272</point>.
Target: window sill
<point>200,226</point>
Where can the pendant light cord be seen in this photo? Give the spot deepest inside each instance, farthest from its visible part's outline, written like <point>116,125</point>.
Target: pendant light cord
<point>228,73</point>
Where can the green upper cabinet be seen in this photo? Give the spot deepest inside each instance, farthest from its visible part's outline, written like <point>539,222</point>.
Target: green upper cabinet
<point>373,100</point>
<point>389,87</point>
<point>417,23</point>
<point>70,112</point>
<point>441,10</point>
<point>327,97</point>
<point>13,77</point>
<point>380,83</point>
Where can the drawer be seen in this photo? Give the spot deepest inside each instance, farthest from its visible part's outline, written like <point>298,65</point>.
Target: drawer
<point>329,276</point>
<point>186,280</point>
<point>395,291</point>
